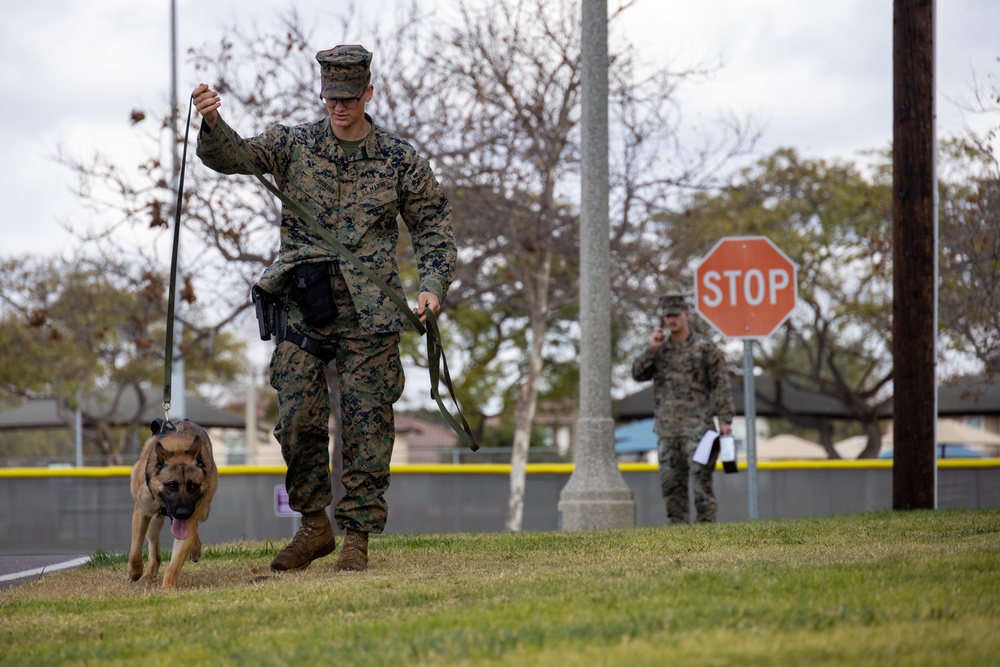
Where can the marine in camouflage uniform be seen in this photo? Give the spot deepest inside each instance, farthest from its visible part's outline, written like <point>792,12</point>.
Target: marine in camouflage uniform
<point>690,387</point>
<point>355,178</point>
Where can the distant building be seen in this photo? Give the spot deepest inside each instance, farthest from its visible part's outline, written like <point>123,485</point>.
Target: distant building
<point>422,441</point>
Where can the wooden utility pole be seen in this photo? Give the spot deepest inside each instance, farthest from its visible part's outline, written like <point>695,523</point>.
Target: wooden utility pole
<point>915,266</point>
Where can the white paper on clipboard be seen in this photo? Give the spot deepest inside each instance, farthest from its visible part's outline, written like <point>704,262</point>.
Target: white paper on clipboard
<point>704,450</point>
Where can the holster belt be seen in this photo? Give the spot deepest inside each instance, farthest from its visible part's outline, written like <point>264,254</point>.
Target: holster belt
<point>310,345</point>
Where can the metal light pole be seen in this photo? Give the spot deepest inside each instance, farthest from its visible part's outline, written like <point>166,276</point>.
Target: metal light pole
<point>596,495</point>
<point>178,405</point>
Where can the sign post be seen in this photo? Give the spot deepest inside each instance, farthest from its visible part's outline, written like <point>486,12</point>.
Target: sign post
<point>745,287</point>
<point>750,418</point>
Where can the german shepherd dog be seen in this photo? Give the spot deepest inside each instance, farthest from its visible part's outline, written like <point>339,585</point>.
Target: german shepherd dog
<point>175,477</point>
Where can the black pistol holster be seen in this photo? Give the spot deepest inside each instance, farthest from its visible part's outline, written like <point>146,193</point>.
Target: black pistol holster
<point>272,319</point>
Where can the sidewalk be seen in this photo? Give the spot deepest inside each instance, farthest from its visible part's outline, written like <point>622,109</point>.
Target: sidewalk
<point>16,570</point>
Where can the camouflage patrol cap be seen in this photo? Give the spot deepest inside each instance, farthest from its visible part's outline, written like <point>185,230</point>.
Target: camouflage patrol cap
<point>673,304</point>
<point>344,70</point>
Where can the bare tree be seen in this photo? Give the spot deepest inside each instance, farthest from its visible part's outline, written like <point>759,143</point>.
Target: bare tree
<point>969,223</point>
<point>230,225</point>
<point>493,99</point>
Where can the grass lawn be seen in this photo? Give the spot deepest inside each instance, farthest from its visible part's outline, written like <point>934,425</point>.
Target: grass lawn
<point>913,588</point>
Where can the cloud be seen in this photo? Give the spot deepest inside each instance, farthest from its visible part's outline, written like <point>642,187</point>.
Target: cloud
<point>820,73</point>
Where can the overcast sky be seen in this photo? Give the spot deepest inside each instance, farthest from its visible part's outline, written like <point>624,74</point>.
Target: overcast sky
<point>818,74</point>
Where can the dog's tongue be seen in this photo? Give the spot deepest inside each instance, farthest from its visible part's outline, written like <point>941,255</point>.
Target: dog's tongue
<point>179,529</point>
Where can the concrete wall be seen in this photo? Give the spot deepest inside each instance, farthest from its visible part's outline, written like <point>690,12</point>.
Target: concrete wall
<point>83,510</point>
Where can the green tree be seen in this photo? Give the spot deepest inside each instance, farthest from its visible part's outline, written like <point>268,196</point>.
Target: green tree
<point>833,221</point>
<point>969,228</point>
<point>79,329</point>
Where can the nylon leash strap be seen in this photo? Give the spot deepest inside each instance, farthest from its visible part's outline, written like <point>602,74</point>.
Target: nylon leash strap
<point>168,355</point>
<point>437,364</point>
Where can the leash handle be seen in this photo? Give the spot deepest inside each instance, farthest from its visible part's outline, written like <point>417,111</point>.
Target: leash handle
<point>168,356</point>
<point>436,358</point>
<point>436,362</point>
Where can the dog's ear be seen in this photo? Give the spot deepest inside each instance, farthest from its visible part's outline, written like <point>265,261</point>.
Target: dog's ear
<point>162,454</point>
<point>196,450</point>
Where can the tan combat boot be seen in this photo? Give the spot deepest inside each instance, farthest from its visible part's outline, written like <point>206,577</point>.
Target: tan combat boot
<point>313,540</point>
<point>354,555</point>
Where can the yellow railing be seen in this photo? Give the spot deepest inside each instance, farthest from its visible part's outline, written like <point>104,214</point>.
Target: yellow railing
<point>496,468</point>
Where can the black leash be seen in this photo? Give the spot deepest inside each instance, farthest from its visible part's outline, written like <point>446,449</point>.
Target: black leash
<point>436,362</point>
<point>168,366</point>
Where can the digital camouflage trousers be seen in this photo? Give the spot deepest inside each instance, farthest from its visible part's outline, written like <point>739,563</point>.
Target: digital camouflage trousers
<point>676,467</point>
<point>371,380</point>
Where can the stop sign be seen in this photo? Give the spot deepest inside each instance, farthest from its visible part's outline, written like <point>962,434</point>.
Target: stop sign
<point>745,287</point>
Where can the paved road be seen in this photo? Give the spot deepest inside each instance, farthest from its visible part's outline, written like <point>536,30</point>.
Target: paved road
<point>16,570</point>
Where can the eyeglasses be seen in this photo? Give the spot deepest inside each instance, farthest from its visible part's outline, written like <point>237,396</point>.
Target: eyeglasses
<point>349,103</point>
